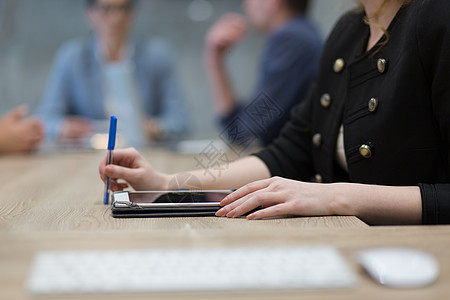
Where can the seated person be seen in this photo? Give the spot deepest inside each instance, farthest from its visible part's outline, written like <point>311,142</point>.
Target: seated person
<point>288,67</point>
<point>111,73</point>
<point>18,134</point>
<point>384,79</point>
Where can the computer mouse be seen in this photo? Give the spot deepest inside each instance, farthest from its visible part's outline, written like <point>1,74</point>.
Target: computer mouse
<point>399,267</point>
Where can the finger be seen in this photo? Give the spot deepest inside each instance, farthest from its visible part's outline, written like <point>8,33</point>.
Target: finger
<point>33,134</point>
<point>230,40</point>
<point>115,181</point>
<point>33,121</point>
<point>31,138</point>
<point>129,157</point>
<point>261,198</point>
<point>119,172</point>
<point>229,23</point>
<point>101,168</point>
<point>245,190</point>
<point>34,142</point>
<point>123,157</point>
<point>18,112</point>
<point>116,186</point>
<point>227,208</point>
<point>233,17</point>
<point>236,30</point>
<point>37,133</point>
<point>269,212</point>
<point>123,186</point>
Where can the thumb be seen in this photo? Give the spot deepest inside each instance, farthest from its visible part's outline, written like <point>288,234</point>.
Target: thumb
<point>18,113</point>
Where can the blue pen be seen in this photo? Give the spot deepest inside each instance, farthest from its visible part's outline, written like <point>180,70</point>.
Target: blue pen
<point>111,144</point>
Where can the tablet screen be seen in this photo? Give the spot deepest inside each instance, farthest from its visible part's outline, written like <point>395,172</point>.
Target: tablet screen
<point>178,197</point>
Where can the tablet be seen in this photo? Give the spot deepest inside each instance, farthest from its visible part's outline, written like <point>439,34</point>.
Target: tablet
<point>182,203</point>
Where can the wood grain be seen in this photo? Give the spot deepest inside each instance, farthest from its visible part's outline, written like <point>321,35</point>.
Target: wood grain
<point>17,252</point>
<point>54,202</point>
<point>64,193</point>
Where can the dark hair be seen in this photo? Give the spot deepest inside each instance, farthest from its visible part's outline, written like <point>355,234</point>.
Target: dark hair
<point>297,6</point>
<point>90,3</point>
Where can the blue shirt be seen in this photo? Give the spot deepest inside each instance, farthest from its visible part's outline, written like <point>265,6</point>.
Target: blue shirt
<point>289,66</point>
<point>121,99</point>
<point>75,86</point>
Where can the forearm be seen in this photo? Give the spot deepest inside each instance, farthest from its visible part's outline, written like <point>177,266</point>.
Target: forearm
<point>223,93</point>
<point>232,176</point>
<point>378,204</point>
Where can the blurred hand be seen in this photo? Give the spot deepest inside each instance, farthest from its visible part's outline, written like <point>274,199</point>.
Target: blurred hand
<point>18,134</point>
<point>74,127</point>
<point>152,129</point>
<point>278,197</point>
<point>129,165</point>
<point>225,33</point>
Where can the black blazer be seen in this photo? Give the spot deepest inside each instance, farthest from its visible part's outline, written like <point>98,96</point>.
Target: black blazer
<point>394,104</point>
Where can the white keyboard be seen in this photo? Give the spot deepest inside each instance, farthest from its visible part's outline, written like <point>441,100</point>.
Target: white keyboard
<point>175,270</point>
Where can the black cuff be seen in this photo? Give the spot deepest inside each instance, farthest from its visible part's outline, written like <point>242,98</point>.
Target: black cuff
<point>435,203</point>
<point>267,159</point>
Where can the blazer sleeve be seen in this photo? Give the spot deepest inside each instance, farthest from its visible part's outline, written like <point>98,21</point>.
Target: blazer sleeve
<point>433,40</point>
<point>290,155</point>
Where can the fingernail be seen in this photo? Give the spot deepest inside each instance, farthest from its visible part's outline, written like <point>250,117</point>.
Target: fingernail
<point>219,213</point>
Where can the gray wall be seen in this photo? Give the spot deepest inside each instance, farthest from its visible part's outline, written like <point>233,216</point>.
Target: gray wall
<point>31,31</point>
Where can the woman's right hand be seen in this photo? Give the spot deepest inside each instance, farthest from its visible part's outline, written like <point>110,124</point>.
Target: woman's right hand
<point>130,166</point>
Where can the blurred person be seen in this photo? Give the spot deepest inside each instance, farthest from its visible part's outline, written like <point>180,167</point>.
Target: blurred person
<point>111,73</point>
<point>374,131</point>
<point>18,133</point>
<point>288,66</point>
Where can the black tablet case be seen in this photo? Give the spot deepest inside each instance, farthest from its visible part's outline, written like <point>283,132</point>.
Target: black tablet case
<point>179,211</point>
<point>182,207</point>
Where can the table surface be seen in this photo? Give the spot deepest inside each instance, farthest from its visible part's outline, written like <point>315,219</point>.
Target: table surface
<point>54,202</point>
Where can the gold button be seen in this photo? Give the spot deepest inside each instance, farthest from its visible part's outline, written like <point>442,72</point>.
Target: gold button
<point>373,104</point>
<point>325,100</point>
<point>318,178</point>
<point>317,139</point>
<point>339,65</point>
<point>381,65</point>
<point>365,151</point>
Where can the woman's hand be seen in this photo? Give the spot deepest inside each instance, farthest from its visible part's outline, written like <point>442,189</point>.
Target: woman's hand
<point>278,197</point>
<point>129,165</point>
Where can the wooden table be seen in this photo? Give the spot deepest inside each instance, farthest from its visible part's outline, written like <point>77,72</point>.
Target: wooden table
<point>54,202</point>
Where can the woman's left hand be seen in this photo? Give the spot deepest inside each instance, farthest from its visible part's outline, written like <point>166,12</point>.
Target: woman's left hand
<point>278,197</point>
